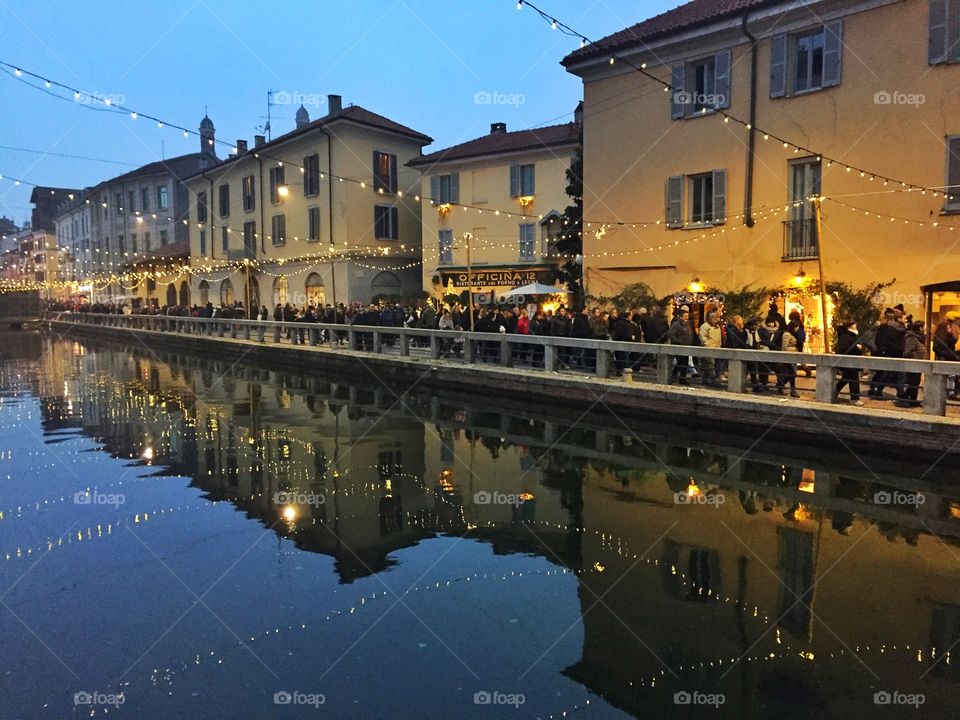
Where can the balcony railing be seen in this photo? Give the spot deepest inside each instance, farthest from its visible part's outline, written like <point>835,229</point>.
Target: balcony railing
<point>800,239</point>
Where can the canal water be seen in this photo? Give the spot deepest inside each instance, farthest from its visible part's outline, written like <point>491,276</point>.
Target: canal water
<point>183,537</point>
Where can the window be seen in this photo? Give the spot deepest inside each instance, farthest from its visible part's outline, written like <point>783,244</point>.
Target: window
<point>132,200</point>
<point>163,238</point>
<point>201,207</point>
<point>696,199</point>
<point>276,182</point>
<point>145,199</point>
<point>249,238</point>
<point>224,199</point>
<point>311,175</point>
<point>522,180</point>
<point>118,199</point>
<point>316,295</point>
<point>384,172</point>
<point>800,230</point>
<point>226,292</point>
<point>528,240</point>
<point>146,241</point>
<point>445,188</point>
<point>249,194</point>
<point>944,32</point>
<point>385,222</point>
<point>806,61</point>
<point>313,224</point>
<point>162,201</point>
<point>225,238</point>
<point>133,243</point>
<point>279,229</point>
<point>446,247</point>
<point>952,201</point>
<point>203,242</point>
<point>701,85</point>
<point>120,248</point>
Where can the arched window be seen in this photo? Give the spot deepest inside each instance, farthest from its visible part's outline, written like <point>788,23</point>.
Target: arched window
<point>280,287</point>
<point>316,293</point>
<point>226,292</point>
<point>184,294</point>
<point>385,285</point>
<point>171,295</point>
<point>204,289</point>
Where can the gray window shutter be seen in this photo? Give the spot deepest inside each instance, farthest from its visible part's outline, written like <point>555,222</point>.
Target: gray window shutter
<point>675,201</point>
<point>721,86</point>
<point>376,169</point>
<point>394,230</point>
<point>514,181</point>
<point>719,196</point>
<point>393,173</point>
<point>434,188</point>
<point>953,171</point>
<point>939,22</point>
<point>533,178</point>
<point>678,106</point>
<point>454,187</point>
<point>778,66</point>
<point>832,53</point>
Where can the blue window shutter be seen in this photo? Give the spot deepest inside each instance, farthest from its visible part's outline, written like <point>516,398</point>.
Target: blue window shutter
<point>377,222</point>
<point>944,31</point>
<point>394,230</point>
<point>719,196</point>
<point>435,188</point>
<point>454,187</point>
<point>833,53</point>
<point>675,201</point>
<point>514,181</point>
<point>678,104</point>
<point>722,84</point>
<point>778,66</point>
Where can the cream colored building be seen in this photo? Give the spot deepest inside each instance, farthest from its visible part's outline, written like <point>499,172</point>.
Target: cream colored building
<point>504,194</point>
<point>326,213</point>
<point>862,91</point>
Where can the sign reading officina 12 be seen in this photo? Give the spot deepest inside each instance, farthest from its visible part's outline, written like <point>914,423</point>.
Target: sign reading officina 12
<point>504,277</point>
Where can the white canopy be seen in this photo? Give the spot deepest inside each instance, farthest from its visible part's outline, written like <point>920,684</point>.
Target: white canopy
<point>536,289</point>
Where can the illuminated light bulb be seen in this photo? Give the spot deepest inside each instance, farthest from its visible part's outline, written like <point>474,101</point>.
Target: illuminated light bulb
<point>582,42</point>
<point>553,24</point>
<point>107,101</point>
<point>210,142</point>
<point>289,513</point>
<point>46,83</point>
<point>17,72</point>
<point>611,61</point>
<point>519,4</point>
<point>766,136</point>
<point>159,124</point>
<point>147,453</point>
<point>133,116</point>
<point>186,134</point>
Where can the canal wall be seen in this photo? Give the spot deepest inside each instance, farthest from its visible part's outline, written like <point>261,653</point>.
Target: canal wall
<point>692,410</point>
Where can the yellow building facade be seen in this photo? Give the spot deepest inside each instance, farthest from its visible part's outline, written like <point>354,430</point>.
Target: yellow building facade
<point>686,183</point>
<point>502,195</point>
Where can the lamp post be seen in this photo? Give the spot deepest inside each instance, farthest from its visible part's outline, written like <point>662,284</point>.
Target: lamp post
<point>817,202</point>
<point>468,237</point>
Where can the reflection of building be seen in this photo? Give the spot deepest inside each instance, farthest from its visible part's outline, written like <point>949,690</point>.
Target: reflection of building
<point>277,204</point>
<point>522,170</point>
<point>668,160</point>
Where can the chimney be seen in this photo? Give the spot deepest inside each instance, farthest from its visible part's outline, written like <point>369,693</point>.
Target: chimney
<point>259,140</point>
<point>497,128</point>
<point>334,104</point>
<point>578,114</point>
<point>241,147</point>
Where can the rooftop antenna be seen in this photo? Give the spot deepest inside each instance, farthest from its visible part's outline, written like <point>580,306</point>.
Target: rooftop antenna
<point>265,128</point>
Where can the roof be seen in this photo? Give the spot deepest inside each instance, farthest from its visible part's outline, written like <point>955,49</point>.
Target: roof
<point>685,17</point>
<point>497,143</point>
<point>44,191</point>
<point>352,113</point>
<point>173,250</point>
<point>180,167</point>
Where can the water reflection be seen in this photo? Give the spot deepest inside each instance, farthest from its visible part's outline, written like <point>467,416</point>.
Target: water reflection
<point>794,588</point>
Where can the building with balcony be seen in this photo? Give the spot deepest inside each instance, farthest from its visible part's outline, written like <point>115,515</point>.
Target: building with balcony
<point>326,213</point>
<point>685,182</point>
<point>502,194</point>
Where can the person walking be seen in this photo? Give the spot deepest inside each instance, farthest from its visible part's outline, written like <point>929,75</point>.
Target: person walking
<point>848,344</point>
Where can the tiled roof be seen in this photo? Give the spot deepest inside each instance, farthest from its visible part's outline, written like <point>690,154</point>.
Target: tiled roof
<point>684,17</point>
<point>180,167</point>
<point>42,191</point>
<point>497,143</point>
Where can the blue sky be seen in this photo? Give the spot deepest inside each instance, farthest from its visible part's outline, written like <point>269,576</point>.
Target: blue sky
<point>420,62</point>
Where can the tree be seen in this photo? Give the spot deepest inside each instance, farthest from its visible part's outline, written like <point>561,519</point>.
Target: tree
<point>570,239</point>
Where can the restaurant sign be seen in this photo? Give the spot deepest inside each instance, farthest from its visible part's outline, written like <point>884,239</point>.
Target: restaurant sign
<point>501,277</point>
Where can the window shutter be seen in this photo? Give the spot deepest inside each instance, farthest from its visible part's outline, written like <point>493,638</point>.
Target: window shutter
<point>778,66</point>
<point>377,182</point>
<point>533,179</point>
<point>938,35</point>
<point>454,187</point>
<point>953,171</point>
<point>393,173</point>
<point>721,86</point>
<point>434,188</point>
<point>678,108</point>
<point>378,222</point>
<point>306,176</point>
<point>719,196</point>
<point>675,201</point>
<point>514,181</point>
<point>394,230</point>
<point>832,53</point>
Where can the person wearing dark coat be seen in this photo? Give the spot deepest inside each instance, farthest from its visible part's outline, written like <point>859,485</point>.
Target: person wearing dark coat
<point>581,329</point>
<point>681,333</point>
<point>654,326</point>
<point>889,344</point>
<point>914,348</point>
<point>847,345</point>
<point>945,347</point>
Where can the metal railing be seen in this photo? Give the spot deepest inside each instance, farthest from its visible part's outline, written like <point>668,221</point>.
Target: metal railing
<point>637,362</point>
<point>800,239</point>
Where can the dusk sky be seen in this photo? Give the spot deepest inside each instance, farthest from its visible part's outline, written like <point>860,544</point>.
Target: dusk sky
<point>420,62</point>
